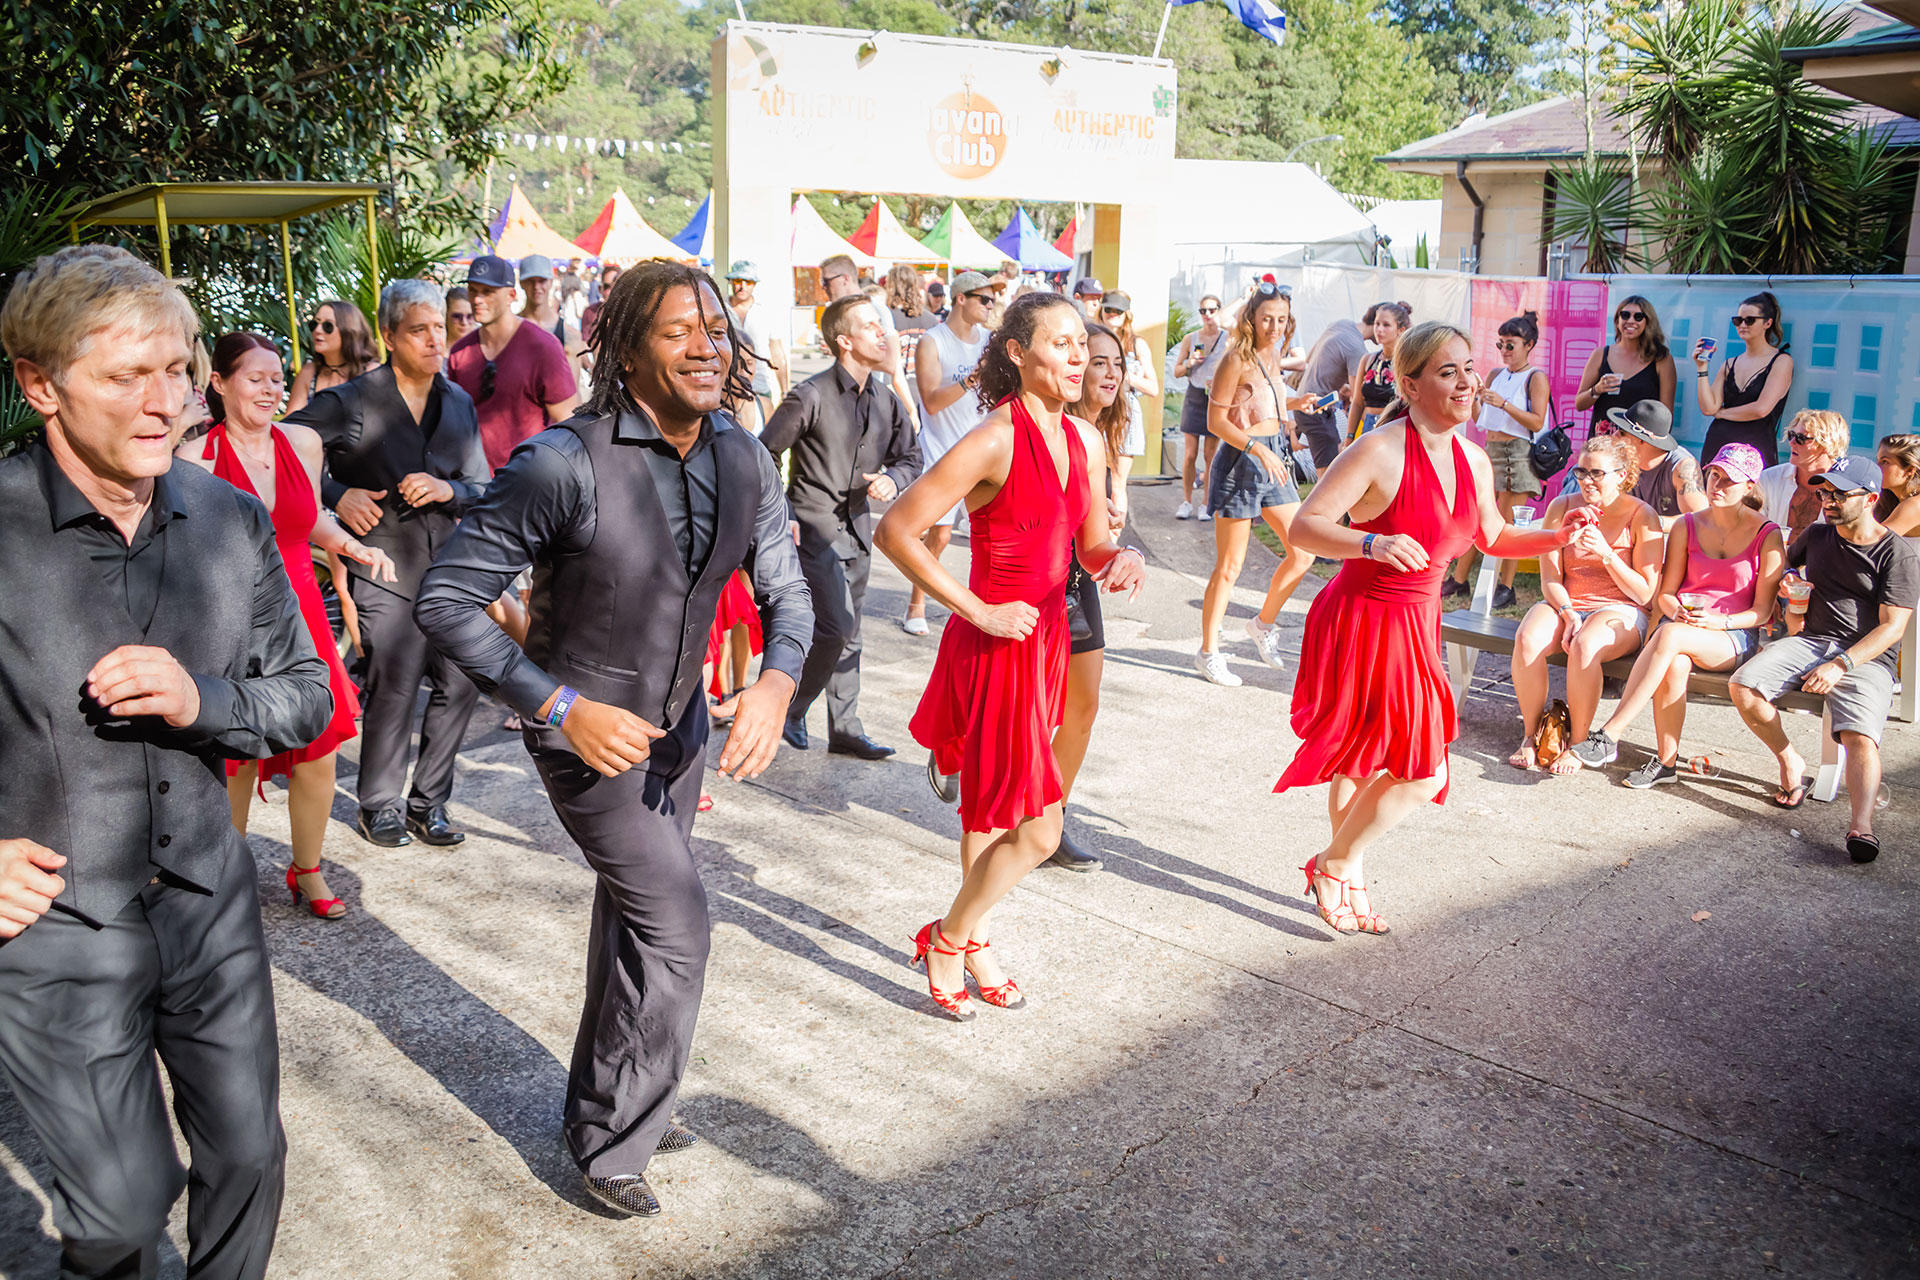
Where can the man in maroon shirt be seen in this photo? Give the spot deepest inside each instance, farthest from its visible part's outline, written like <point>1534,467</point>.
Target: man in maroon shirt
<point>516,372</point>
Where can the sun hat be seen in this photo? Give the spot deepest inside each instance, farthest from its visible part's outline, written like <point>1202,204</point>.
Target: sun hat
<point>1647,420</point>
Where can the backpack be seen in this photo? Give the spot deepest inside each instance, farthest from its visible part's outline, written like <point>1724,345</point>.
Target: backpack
<point>1552,449</point>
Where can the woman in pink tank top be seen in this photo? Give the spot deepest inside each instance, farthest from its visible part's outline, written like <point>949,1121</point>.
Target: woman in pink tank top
<point>1722,570</point>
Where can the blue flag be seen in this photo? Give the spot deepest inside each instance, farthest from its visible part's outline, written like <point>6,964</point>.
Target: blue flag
<point>1262,17</point>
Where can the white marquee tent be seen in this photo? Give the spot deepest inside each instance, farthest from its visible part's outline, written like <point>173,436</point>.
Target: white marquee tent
<point>1231,220</point>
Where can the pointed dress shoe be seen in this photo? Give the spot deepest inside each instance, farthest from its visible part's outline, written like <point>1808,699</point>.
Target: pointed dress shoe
<point>1072,857</point>
<point>677,1138</point>
<point>384,827</point>
<point>857,745</point>
<point>625,1193</point>
<point>795,734</point>
<point>434,827</point>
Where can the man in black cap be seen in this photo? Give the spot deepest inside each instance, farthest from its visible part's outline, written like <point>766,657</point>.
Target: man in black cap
<point>937,299</point>
<point>633,515</point>
<point>1670,479</point>
<point>851,441</point>
<point>1086,297</point>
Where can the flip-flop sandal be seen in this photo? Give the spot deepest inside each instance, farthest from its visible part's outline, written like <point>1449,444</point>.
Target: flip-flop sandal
<point>1791,799</point>
<point>1862,848</point>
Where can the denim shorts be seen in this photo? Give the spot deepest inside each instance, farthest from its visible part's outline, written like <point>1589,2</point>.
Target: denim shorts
<point>1637,614</point>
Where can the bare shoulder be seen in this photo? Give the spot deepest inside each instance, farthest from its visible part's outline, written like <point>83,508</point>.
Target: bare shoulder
<point>305,441</point>
<point>194,451</point>
<point>1088,434</point>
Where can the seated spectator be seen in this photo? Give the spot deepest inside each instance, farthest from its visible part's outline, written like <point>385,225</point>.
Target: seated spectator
<point>1598,588</point>
<point>1899,505</point>
<point>1669,477</point>
<point>1717,589</point>
<point>1865,581</point>
<point>1816,439</point>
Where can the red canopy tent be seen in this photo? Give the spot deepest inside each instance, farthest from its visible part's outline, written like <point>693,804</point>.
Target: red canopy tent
<point>1065,243</point>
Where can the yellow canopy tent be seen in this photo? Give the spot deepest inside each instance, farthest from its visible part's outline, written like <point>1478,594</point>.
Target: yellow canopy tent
<point>162,204</point>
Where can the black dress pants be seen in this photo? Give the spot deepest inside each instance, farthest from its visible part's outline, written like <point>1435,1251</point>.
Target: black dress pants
<point>839,589</point>
<point>83,1011</point>
<point>647,952</point>
<point>398,658</point>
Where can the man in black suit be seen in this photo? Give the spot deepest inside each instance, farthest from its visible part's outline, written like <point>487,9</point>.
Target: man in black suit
<point>633,515</point>
<point>404,459</point>
<point>150,634</point>
<point>851,441</point>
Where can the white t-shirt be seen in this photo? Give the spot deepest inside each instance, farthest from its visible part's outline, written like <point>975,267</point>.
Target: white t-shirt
<point>758,333</point>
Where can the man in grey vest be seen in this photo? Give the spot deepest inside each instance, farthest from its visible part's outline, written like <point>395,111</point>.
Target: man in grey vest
<point>150,633</point>
<point>633,515</point>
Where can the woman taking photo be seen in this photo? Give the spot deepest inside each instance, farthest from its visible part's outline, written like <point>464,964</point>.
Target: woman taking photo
<point>1513,409</point>
<point>1722,568</point>
<point>1143,379</point>
<point>1198,357</point>
<point>1252,476</point>
<point>1746,399</point>
<point>1371,704</point>
<point>1598,589</point>
<point>999,684</point>
<point>1635,366</point>
<point>280,465</point>
<point>1390,321</point>
<point>342,349</point>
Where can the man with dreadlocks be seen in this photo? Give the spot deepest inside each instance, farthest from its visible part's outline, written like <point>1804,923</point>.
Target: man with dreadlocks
<point>632,514</point>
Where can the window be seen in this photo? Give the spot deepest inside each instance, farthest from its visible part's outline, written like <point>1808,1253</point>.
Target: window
<point>1916,417</point>
<point>1865,409</point>
<point>1826,342</point>
<point>1819,400</point>
<point>1869,348</point>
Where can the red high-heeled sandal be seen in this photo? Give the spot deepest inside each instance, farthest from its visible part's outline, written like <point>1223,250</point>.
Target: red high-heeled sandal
<point>1341,918</point>
<point>325,908</point>
<point>1006,995</point>
<point>953,1002</point>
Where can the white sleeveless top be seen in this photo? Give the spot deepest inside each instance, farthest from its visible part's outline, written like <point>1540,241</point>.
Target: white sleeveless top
<point>941,431</point>
<point>1509,386</point>
<point>1201,375</point>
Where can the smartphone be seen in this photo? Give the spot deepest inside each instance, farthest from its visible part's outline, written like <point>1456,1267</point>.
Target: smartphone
<point>1325,402</point>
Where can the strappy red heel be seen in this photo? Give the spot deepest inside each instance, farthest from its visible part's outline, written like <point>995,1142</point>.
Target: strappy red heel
<point>1341,917</point>
<point>931,939</point>
<point>1006,995</point>
<point>325,908</point>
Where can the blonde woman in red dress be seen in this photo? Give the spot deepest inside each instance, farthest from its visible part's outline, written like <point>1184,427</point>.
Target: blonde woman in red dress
<point>1372,707</point>
<point>998,687</point>
<point>280,465</point>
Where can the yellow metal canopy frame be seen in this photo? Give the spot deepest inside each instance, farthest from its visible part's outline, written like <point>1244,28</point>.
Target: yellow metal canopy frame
<point>161,205</point>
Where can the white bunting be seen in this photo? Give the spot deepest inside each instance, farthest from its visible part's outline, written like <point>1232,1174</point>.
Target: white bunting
<point>620,145</point>
<point>647,144</point>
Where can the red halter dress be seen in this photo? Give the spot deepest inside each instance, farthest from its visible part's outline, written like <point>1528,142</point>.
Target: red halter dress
<point>992,703</point>
<point>294,511</point>
<point>1372,693</point>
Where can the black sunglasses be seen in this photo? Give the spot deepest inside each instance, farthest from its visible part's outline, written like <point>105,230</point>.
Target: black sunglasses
<point>1209,311</point>
<point>1741,322</point>
<point>1630,315</point>
<point>486,381</point>
<point>323,326</point>
<point>981,295</point>
<point>1595,474</point>
<point>1799,437</point>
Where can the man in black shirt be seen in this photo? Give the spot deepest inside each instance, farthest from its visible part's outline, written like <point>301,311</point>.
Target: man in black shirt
<point>1866,581</point>
<point>633,516</point>
<point>404,459</point>
<point>150,635</point>
<point>850,440</point>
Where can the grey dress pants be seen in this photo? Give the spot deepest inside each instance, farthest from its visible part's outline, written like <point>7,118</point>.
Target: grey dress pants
<point>839,590</point>
<point>182,973</point>
<point>647,951</point>
<point>398,659</point>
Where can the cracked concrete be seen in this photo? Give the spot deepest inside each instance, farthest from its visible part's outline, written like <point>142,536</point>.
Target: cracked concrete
<point>1548,1067</point>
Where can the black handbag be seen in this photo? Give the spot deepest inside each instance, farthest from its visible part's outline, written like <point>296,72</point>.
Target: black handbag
<point>1305,472</point>
<point>1079,626</point>
<point>1552,449</point>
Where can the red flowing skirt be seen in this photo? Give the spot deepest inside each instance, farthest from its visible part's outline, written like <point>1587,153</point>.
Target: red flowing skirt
<point>346,701</point>
<point>735,608</point>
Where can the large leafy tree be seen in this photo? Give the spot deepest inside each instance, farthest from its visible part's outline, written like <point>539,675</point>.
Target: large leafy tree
<point>1484,49</point>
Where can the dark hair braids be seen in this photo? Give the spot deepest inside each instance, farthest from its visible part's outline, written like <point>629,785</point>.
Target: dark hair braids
<point>227,354</point>
<point>999,375</point>
<point>626,318</point>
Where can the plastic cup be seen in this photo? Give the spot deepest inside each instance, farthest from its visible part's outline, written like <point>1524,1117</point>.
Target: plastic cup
<point>1708,346</point>
<point>1799,590</point>
<point>1692,601</point>
<point>1522,516</point>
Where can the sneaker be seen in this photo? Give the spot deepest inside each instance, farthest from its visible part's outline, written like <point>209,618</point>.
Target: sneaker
<point>1597,750</point>
<point>1503,597</point>
<point>1203,514</point>
<point>914,626</point>
<point>1183,512</point>
<point>1266,639</point>
<point>1214,667</point>
<point>1650,774</point>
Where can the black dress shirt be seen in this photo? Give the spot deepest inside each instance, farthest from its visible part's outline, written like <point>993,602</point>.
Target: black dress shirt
<point>131,569</point>
<point>543,503</point>
<point>840,431</point>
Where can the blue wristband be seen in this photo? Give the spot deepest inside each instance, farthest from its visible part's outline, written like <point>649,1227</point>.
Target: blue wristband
<point>1366,546</point>
<point>562,703</point>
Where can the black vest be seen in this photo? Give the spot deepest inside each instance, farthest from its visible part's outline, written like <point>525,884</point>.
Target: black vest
<point>118,798</point>
<point>619,621</point>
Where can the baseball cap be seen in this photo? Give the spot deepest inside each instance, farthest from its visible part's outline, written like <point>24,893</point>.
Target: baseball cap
<point>536,266</point>
<point>1652,421</point>
<point>973,281</point>
<point>1736,461</point>
<point>936,290</point>
<point>1089,286</point>
<point>1116,301</point>
<point>743,269</point>
<point>1851,475</point>
<point>490,272</point>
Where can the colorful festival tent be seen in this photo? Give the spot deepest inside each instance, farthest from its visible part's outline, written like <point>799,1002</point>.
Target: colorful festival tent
<point>621,235</point>
<point>1065,243</point>
<point>882,237</point>
<point>520,230</point>
<point>696,237</point>
<point>954,240</point>
<point>814,241</point>
<point>1022,242</point>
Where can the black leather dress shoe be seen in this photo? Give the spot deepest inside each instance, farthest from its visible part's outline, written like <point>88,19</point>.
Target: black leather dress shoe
<point>434,828</point>
<point>945,785</point>
<point>863,746</point>
<point>795,734</point>
<point>1072,857</point>
<point>384,827</point>
<point>627,1193</point>
<point>678,1138</point>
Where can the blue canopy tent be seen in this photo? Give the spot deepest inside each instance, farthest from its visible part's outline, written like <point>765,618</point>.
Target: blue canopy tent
<point>1023,243</point>
<point>697,236</point>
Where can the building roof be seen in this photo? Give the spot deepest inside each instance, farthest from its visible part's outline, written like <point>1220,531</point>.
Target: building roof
<point>1551,129</point>
<point>1891,37</point>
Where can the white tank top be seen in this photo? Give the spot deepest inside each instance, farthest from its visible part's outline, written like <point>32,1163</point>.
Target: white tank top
<point>940,431</point>
<point>1201,375</point>
<point>1511,387</point>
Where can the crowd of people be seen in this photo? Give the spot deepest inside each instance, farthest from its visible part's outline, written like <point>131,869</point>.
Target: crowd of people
<point>597,505</point>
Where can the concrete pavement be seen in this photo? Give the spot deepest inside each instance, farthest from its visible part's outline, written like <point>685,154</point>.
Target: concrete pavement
<point>1548,1067</point>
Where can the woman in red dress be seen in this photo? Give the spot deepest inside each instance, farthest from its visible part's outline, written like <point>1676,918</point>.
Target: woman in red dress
<point>1371,706</point>
<point>280,465</point>
<point>999,683</point>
